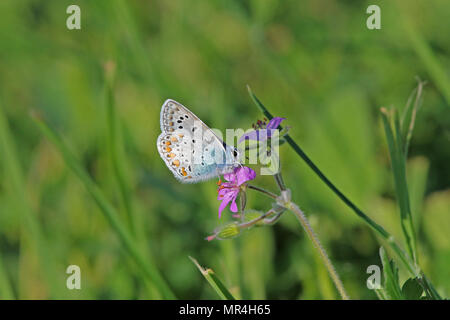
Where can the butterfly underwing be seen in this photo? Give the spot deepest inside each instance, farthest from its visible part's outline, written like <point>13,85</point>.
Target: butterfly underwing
<point>190,149</point>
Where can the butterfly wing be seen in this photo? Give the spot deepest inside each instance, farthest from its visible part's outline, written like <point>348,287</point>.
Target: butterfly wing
<point>189,147</point>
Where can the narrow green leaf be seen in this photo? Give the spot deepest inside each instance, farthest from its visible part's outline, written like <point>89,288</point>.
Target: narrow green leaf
<point>430,291</point>
<point>407,126</point>
<point>381,294</point>
<point>116,151</point>
<point>390,273</point>
<point>260,105</point>
<point>395,146</point>
<point>214,281</point>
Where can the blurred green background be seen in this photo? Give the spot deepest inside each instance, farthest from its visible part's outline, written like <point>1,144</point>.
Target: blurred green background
<point>313,62</point>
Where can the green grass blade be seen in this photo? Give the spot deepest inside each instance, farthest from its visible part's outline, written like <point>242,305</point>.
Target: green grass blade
<point>214,281</point>
<point>425,53</point>
<point>381,294</point>
<point>412,118</point>
<point>395,146</point>
<point>429,288</point>
<point>16,184</point>
<point>390,272</point>
<point>406,216</point>
<point>375,226</point>
<point>148,269</point>
<point>6,292</point>
<point>116,153</point>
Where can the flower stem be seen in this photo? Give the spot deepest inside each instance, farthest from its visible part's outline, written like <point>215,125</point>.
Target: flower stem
<point>315,240</point>
<point>280,181</point>
<point>307,227</point>
<point>254,221</point>
<point>270,221</point>
<point>267,193</point>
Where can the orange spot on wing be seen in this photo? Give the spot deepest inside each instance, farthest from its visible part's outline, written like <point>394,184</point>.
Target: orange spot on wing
<point>173,139</point>
<point>168,149</point>
<point>172,155</point>
<point>176,163</point>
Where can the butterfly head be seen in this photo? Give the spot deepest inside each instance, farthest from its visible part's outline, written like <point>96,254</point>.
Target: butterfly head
<point>233,157</point>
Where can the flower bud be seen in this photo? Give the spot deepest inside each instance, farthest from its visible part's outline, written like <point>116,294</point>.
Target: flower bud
<point>228,231</point>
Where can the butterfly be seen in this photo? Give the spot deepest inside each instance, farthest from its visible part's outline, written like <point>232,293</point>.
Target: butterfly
<point>189,148</point>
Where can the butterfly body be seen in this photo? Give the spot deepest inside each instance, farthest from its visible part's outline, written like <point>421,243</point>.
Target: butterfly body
<point>190,149</point>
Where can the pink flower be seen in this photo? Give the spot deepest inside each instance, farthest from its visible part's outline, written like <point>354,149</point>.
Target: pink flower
<point>262,131</point>
<point>228,191</point>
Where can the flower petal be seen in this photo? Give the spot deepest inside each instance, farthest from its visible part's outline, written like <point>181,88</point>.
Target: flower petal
<point>244,174</point>
<point>228,191</point>
<point>224,204</point>
<point>229,184</point>
<point>221,193</point>
<point>233,206</point>
<point>230,177</point>
<point>257,135</point>
<point>274,122</point>
<point>230,195</point>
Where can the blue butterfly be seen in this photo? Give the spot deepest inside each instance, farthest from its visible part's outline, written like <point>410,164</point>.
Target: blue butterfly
<point>190,149</point>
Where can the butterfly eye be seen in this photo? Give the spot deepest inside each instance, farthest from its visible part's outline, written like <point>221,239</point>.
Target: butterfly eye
<point>235,153</point>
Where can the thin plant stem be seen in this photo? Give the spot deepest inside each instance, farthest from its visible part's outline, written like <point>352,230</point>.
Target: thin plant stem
<point>267,193</point>
<point>242,201</point>
<point>280,181</point>
<point>274,219</point>
<point>315,240</point>
<point>252,222</point>
<point>307,227</point>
